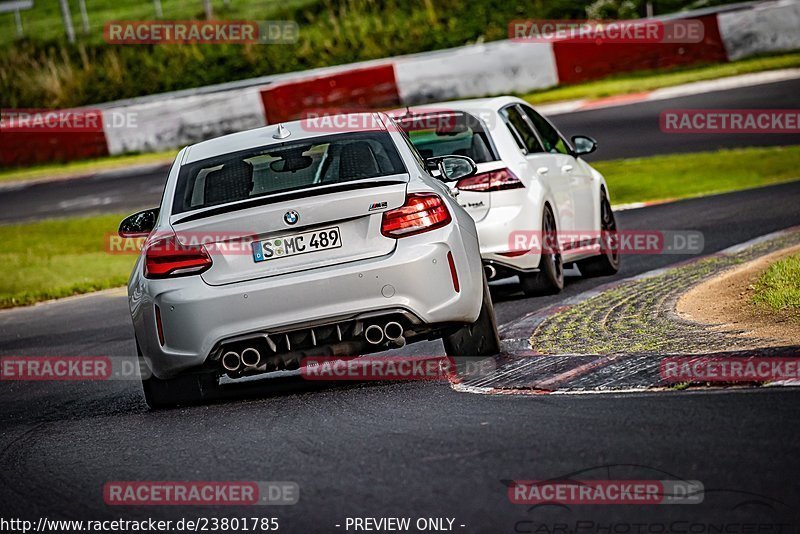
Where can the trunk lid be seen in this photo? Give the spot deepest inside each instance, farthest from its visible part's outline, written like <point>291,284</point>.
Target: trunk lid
<point>331,227</point>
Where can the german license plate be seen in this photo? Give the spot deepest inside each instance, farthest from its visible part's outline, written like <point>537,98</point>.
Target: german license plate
<point>293,245</point>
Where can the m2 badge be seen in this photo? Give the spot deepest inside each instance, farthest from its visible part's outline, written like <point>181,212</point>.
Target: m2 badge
<point>377,206</point>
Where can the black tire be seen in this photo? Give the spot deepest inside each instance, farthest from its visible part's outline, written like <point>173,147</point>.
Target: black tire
<point>183,390</point>
<point>607,263</point>
<point>476,341</point>
<point>550,278</point>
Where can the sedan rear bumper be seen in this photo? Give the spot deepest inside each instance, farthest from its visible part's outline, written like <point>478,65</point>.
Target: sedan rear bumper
<point>415,277</point>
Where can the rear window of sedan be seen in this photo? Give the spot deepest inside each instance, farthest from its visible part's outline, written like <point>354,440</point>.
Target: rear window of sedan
<point>451,133</point>
<point>284,167</point>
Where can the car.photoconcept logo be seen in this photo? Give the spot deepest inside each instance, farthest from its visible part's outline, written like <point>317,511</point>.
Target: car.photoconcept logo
<point>291,217</point>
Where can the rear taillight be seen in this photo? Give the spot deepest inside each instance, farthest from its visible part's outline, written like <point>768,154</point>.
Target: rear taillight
<point>421,212</point>
<point>167,258</point>
<point>498,180</point>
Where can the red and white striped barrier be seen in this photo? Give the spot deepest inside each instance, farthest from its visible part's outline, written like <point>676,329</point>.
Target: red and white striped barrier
<point>473,71</point>
<point>176,122</point>
<point>466,72</point>
<point>769,27</point>
<point>28,148</point>
<point>373,87</point>
<point>585,61</point>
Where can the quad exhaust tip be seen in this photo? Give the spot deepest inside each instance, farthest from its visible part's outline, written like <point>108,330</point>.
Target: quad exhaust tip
<point>394,331</point>
<point>491,272</point>
<point>231,361</point>
<point>391,332</point>
<point>251,357</point>
<point>374,334</point>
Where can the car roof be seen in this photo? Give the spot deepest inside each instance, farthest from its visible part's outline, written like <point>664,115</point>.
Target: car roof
<point>470,105</point>
<point>297,130</point>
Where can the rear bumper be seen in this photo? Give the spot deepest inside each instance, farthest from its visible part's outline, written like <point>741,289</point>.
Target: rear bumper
<point>415,277</point>
<point>496,233</point>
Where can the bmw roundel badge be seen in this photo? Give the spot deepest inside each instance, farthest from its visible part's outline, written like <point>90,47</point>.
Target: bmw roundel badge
<point>291,217</point>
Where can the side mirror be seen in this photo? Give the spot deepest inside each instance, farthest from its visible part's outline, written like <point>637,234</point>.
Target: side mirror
<point>139,224</point>
<point>452,168</point>
<point>583,144</point>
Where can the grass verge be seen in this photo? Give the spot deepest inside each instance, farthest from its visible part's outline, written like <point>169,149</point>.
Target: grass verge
<point>697,174</point>
<point>656,79</point>
<point>79,168</point>
<point>778,288</point>
<point>58,258</point>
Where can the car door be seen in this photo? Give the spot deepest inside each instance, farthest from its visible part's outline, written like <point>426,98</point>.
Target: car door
<point>573,172</point>
<point>544,166</point>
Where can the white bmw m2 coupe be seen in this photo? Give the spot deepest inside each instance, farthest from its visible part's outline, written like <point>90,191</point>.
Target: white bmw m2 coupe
<point>537,204</point>
<point>286,242</point>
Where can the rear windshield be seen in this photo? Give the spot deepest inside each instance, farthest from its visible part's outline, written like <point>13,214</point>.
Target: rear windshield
<point>452,133</point>
<point>283,167</point>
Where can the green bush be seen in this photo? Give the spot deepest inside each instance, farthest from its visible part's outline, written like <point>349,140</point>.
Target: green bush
<point>44,71</point>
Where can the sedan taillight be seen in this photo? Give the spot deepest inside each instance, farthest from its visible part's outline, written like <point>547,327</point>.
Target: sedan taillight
<point>421,212</point>
<point>167,258</point>
<point>498,180</point>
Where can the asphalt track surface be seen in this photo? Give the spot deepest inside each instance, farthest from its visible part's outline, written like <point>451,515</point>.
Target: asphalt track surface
<point>629,131</point>
<point>406,449</point>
